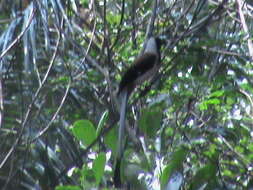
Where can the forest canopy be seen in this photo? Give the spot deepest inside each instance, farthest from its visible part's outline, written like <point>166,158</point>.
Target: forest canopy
<point>190,127</point>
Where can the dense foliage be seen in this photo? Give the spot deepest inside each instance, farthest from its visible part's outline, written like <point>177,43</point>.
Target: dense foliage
<point>191,127</point>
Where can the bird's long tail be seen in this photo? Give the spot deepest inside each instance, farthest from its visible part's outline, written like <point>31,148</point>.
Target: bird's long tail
<point>121,134</point>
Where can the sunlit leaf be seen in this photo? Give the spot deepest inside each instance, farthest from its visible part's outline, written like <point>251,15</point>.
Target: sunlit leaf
<point>113,19</point>
<point>84,131</point>
<point>203,106</point>
<point>99,166</point>
<point>213,101</point>
<point>218,93</point>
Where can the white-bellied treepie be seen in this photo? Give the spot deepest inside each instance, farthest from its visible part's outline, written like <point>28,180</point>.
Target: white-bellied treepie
<point>143,68</point>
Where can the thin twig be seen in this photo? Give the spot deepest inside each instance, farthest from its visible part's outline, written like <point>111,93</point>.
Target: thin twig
<point>241,158</point>
<point>1,102</point>
<point>248,97</point>
<point>151,23</point>
<point>92,36</point>
<point>20,35</point>
<point>32,103</point>
<point>55,114</point>
<point>245,28</point>
<point>120,24</point>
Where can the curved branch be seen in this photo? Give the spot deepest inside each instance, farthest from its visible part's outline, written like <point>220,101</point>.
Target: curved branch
<point>32,102</point>
<point>20,35</point>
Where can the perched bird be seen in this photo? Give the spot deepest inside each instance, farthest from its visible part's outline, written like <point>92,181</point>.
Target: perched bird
<point>143,68</point>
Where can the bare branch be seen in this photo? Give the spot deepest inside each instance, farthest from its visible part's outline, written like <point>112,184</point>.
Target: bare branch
<point>245,28</point>
<point>20,35</point>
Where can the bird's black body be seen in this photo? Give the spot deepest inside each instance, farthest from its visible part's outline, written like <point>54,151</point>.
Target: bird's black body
<point>136,71</point>
<point>143,68</point>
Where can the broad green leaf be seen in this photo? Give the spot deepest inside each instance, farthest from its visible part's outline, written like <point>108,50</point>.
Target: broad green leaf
<point>228,173</point>
<point>99,167</point>
<point>213,101</point>
<point>111,139</point>
<point>203,106</point>
<point>84,131</point>
<point>217,93</point>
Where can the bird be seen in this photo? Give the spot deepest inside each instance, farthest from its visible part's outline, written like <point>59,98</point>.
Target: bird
<point>143,68</point>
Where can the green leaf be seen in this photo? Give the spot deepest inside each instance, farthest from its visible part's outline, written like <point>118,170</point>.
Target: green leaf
<point>230,101</point>
<point>113,19</point>
<point>102,122</point>
<point>213,101</point>
<point>227,173</point>
<point>217,93</point>
<point>175,164</point>
<point>111,139</point>
<point>150,120</point>
<point>203,106</point>
<point>61,79</point>
<point>99,167</point>
<point>86,175</point>
<point>84,131</point>
<point>67,187</point>
<point>250,147</point>
<point>211,152</point>
<point>204,175</point>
